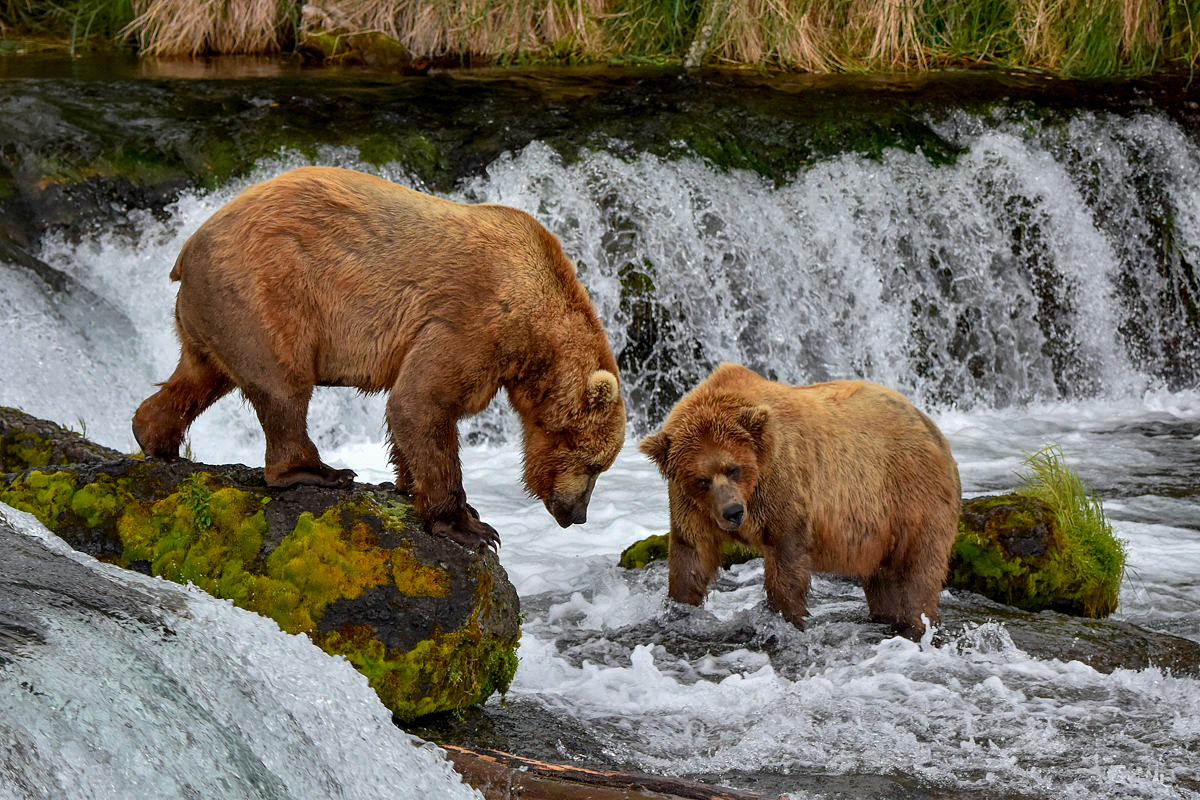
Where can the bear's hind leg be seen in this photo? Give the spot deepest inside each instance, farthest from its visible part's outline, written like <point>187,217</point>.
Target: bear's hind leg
<point>162,419</point>
<point>886,590</point>
<point>292,458</point>
<point>907,586</point>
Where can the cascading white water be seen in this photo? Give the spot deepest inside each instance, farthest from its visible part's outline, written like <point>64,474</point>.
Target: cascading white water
<point>1022,271</point>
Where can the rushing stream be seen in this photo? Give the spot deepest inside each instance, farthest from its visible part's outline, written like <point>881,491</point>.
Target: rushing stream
<point>1023,268</point>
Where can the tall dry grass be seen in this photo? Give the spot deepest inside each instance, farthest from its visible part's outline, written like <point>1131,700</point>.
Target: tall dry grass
<point>191,27</point>
<point>1081,37</point>
<point>489,28</point>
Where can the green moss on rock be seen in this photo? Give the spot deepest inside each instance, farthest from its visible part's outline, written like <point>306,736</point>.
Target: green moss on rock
<point>27,442</point>
<point>352,551</point>
<point>656,548</point>
<point>1045,546</point>
<point>466,665</point>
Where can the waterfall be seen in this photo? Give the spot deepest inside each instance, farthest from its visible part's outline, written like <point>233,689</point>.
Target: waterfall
<point>1043,262</point>
<point>1034,267</point>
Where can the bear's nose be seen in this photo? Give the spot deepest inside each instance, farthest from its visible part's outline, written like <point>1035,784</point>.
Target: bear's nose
<point>734,513</point>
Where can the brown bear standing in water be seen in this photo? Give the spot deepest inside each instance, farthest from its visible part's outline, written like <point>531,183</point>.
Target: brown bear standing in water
<point>843,477</point>
<point>329,277</point>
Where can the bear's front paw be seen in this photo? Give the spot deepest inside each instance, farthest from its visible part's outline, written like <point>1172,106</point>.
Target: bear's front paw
<point>468,531</point>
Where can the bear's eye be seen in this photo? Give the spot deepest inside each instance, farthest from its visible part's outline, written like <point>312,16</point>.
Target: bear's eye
<point>703,484</point>
<point>734,473</point>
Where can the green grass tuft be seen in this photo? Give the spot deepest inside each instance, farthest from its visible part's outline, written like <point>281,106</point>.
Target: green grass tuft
<point>1093,552</point>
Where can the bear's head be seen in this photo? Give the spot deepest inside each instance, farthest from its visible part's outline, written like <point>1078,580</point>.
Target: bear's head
<point>711,449</point>
<point>569,442</point>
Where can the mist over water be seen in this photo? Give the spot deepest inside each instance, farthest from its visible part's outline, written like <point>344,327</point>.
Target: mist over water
<point>1035,288</point>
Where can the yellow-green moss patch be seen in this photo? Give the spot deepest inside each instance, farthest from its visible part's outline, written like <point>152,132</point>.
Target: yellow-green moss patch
<point>203,529</point>
<point>416,579</point>
<point>656,548</point>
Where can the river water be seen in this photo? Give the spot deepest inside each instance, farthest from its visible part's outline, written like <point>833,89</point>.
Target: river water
<point>1029,282</point>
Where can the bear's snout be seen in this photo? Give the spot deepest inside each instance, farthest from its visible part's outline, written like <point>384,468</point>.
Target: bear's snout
<point>571,509</point>
<point>567,514</point>
<point>727,508</point>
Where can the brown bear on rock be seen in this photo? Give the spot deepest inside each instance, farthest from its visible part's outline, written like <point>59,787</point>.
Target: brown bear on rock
<point>844,477</point>
<point>330,277</point>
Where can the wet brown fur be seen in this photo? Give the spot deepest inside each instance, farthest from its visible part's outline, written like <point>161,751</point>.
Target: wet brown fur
<point>330,277</point>
<point>844,477</point>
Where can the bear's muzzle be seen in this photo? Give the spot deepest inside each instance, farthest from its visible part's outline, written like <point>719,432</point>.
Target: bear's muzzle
<point>569,510</point>
<point>726,505</point>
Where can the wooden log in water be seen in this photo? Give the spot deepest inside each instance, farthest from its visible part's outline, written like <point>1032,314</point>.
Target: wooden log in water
<point>503,776</point>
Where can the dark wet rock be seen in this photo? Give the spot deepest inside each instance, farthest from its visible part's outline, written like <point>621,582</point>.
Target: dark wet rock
<point>1104,645</point>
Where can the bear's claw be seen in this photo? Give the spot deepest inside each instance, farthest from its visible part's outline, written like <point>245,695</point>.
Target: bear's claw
<point>467,531</point>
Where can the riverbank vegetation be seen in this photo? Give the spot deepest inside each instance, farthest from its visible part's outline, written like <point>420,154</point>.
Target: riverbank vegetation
<point>1070,37</point>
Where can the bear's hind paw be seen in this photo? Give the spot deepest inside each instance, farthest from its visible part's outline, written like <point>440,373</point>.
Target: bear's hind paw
<point>320,475</point>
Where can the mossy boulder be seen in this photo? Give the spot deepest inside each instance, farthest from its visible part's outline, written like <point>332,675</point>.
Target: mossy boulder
<point>27,442</point>
<point>1012,549</point>
<point>432,625</point>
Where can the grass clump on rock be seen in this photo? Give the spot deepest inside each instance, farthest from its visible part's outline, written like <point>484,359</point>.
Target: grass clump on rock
<point>1045,545</point>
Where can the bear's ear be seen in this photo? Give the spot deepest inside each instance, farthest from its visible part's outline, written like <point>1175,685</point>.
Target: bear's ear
<point>602,390</point>
<point>656,446</point>
<point>754,420</point>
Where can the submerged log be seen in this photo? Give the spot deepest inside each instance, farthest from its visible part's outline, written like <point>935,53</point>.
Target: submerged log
<point>503,776</point>
<point>432,625</point>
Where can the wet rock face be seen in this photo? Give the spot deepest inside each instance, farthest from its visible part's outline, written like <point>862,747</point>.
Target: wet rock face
<point>1021,524</point>
<point>433,626</point>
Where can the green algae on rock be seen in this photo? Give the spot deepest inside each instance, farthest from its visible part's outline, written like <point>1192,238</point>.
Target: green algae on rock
<point>433,626</point>
<point>656,547</point>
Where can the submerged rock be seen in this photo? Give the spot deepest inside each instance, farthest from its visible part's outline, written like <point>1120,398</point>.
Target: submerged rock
<point>432,625</point>
<point>655,547</point>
